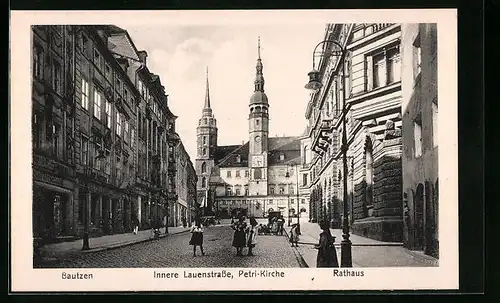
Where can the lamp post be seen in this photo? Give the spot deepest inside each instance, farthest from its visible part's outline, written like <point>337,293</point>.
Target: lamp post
<point>287,176</point>
<point>315,84</point>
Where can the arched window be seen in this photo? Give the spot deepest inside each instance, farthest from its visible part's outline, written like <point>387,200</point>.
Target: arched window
<point>204,151</point>
<point>369,176</point>
<point>203,182</point>
<point>204,167</point>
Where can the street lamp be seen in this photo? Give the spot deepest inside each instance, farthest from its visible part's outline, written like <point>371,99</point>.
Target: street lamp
<point>315,84</point>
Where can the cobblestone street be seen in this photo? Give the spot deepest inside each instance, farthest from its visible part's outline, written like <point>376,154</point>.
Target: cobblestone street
<point>175,251</point>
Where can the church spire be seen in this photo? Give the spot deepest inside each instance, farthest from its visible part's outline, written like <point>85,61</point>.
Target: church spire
<point>259,76</point>
<point>207,93</point>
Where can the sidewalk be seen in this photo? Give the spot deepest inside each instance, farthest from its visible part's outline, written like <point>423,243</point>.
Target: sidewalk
<point>365,252</point>
<point>67,249</point>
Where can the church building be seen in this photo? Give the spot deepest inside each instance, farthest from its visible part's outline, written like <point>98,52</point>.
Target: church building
<point>253,179</point>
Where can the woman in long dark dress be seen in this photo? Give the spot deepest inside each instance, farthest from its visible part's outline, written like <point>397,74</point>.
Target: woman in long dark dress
<point>327,254</point>
<point>197,236</point>
<point>239,238</point>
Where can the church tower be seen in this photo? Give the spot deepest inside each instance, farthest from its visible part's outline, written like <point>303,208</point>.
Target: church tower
<point>206,140</point>
<point>258,129</point>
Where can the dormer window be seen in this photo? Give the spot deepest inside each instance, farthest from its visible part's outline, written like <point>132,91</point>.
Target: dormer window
<point>238,159</point>
<point>282,156</point>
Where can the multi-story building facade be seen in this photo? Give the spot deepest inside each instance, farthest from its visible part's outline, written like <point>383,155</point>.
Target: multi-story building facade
<point>420,139</point>
<point>368,79</point>
<point>186,180</point>
<point>102,134</point>
<point>256,177</point>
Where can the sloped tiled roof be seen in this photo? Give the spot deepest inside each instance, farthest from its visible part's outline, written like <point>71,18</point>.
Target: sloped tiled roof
<point>288,146</point>
<point>222,151</point>
<point>237,158</point>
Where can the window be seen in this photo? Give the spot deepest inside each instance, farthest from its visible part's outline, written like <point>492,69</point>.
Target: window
<point>228,174</point>
<point>282,156</point>
<point>108,113</point>
<point>204,151</point>
<point>85,150</point>
<point>204,140</point>
<point>238,160</point>
<point>118,169</point>
<point>246,191</point>
<point>97,104</point>
<point>246,174</point>
<point>84,44</point>
<point>417,57</point>
<point>303,201</point>
<point>417,137</point>
<point>118,124</point>
<point>132,137</point>
<point>126,130</point>
<point>118,85</point>
<point>304,179</point>
<point>97,58</point>
<point>108,72</point>
<point>270,202</point>
<point>271,190</point>
<point>56,78</point>
<point>394,65</point>
<point>203,167</point>
<point>36,130</point>
<point>203,182</point>
<point>97,151</point>
<point>379,70</point>
<point>434,123</point>
<point>125,94</point>
<point>37,62</point>
<point>238,191</point>
<point>291,190</point>
<point>282,190</point>
<point>257,122</point>
<point>237,174</point>
<point>107,163</point>
<point>55,139</point>
<point>229,191</point>
<point>85,94</point>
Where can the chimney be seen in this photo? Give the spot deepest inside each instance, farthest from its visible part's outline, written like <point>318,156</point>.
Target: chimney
<point>143,55</point>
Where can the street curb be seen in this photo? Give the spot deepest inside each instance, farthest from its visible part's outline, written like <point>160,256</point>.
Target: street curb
<point>296,252</point>
<point>49,259</point>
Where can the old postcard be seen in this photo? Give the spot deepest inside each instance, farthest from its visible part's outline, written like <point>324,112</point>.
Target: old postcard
<point>234,150</point>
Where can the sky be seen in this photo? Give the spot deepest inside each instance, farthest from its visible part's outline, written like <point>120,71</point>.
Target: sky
<point>180,55</point>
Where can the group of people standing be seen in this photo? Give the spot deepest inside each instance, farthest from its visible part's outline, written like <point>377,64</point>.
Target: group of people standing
<point>244,235</point>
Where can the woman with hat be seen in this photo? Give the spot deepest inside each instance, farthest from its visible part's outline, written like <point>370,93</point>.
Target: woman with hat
<point>327,254</point>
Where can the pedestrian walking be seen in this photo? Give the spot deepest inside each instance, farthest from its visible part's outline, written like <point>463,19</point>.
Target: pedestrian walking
<point>239,238</point>
<point>294,235</point>
<point>281,225</point>
<point>252,232</point>
<point>197,236</point>
<point>135,223</point>
<point>327,254</point>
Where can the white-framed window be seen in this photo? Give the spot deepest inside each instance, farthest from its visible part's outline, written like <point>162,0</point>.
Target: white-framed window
<point>238,191</point>
<point>271,190</point>
<point>383,67</point>
<point>228,174</point>
<point>204,140</point>
<point>108,113</point>
<point>97,104</point>
<point>282,190</point>
<point>118,124</point>
<point>229,191</point>
<point>237,174</point>
<point>247,174</point>
<point>85,94</point>
<point>417,137</point>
